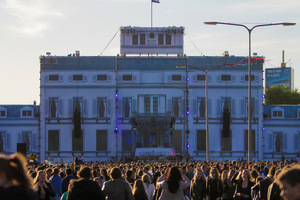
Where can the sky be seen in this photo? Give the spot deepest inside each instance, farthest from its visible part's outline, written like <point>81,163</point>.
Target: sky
<point>30,28</point>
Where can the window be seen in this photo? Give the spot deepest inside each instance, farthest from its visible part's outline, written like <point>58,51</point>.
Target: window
<point>53,107</point>
<point>252,77</point>
<point>168,39</point>
<point>127,140</point>
<point>2,141</point>
<point>176,77</point>
<point>252,106</point>
<point>53,77</point>
<point>200,107</point>
<point>226,142</point>
<point>102,107</point>
<point>2,112</point>
<point>142,39</point>
<point>277,112</point>
<point>176,141</point>
<point>151,104</point>
<point>77,142</point>
<point>126,107</point>
<point>27,112</point>
<point>101,77</point>
<point>160,39</point>
<point>200,77</point>
<point>26,138</point>
<point>225,77</point>
<point>77,77</point>
<point>78,101</point>
<point>135,40</point>
<point>277,142</point>
<point>201,140</point>
<point>127,77</point>
<point>246,140</point>
<point>223,101</point>
<point>53,140</point>
<point>101,140</point>
<point>176,104</point>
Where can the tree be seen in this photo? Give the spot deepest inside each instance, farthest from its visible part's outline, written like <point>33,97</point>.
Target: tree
<point>277,95</point>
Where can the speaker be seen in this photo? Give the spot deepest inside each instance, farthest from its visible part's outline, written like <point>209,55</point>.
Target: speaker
<point>21,148</point>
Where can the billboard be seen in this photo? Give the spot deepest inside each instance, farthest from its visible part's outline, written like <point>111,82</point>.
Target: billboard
<point>280,76</point>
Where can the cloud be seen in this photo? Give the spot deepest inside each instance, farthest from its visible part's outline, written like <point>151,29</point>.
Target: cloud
<point>30,17</point>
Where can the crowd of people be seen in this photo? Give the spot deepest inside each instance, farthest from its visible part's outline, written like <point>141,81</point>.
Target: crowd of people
<point>193,180</point>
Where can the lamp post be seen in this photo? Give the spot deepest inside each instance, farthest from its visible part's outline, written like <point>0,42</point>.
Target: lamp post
<point>249,74</point>
<point>206,101</point>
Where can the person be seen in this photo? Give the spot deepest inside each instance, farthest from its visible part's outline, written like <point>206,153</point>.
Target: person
<point>214,185</point>
<point>205,170</point>
<point>138,190</point>
<point>15,184</point>
<point>65,194</point>
<point>190,175</point>
<point>56,183</point>
<point>66,180</point>
<point>117,189</point>
<point>84,187</point>
<point>243,182</point>
<point>48,173</point>
<point>274,190</point>
<point>172,184</point>
<point>224,179</point>
<point>129,177</point>
<point>42,186</point>
<point>289,181</point>
<point>98,180</point>
<point>77,161</point>
<point>149,188</point>
<point>230,184</point>
<point>198,186</point>
<point>262,186</point>
<point>104,175</point>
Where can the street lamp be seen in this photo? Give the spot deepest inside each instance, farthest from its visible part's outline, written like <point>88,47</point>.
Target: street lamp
<point>249,74</point>
<point>206,101</point>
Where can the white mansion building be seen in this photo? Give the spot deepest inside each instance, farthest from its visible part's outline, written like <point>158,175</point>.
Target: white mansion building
<point>144,98</point>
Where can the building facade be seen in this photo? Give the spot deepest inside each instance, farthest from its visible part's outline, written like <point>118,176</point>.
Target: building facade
<point>149,96</point>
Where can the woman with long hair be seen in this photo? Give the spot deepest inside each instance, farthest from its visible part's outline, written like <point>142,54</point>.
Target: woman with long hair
<point>42,186</point>
<point>243,182</point>
<point>214,185</point>
<point>230,184</point>
<point>224,179</point>
<point>198,186</point>
<point>148,186</point>
<point>15,184</point>
<point>172,184</point>
<point>138,190</point>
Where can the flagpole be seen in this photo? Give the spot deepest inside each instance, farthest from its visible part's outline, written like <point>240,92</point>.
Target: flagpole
<point>151,13</point>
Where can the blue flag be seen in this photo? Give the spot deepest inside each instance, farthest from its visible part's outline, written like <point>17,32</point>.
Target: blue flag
<point>155,1</point>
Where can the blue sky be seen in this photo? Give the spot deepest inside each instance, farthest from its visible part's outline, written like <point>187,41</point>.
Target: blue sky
<point>30,28</point>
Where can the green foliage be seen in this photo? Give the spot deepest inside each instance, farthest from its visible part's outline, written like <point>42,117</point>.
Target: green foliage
<point>277,95</point>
